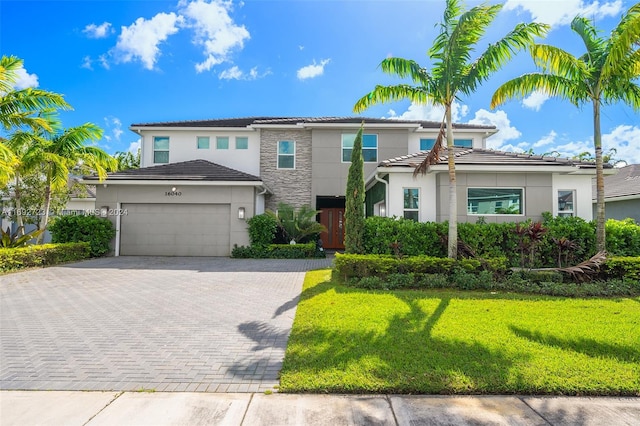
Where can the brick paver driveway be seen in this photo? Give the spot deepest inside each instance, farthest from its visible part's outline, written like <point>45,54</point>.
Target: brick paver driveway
<point>132,323</point>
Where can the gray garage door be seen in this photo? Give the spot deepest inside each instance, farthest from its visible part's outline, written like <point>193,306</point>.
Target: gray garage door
<point>175,230</point>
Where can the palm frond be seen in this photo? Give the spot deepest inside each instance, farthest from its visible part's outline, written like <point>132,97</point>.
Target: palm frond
<point>552,85</point>
<point>433,156</point>
<point>382,94</point>
<point>621,53</point>
<point>557,61</point>
<point>404,68</point>
<point>589,33</point>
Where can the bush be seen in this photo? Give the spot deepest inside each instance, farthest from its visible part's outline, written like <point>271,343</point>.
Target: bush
<point>97,231</point>
<point>277,251</point>
<point>622,268</point>
<point>623,237</point>
<point>42,255</point>
<point>262,229</point>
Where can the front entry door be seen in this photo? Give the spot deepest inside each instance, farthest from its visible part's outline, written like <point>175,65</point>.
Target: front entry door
<point>333,220</point>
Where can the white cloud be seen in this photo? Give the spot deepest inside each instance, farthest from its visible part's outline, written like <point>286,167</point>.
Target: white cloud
<point>562,12</point>
<point>235,73</point>
<point>313,70</point>
<point>535,100</point>
<point>214,30</point>
<point>622,139</point>
<point>429,112</point>
<point>113,125</point>
<point>547,140</point>
<point>140,40</point>
<point>87,63</point>
<point>506,132</point>
<point>134,146</point>
<point>24,79</point>
<point>98,31</point>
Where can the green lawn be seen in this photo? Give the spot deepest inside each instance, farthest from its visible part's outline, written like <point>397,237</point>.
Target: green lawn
<point>359,341</point>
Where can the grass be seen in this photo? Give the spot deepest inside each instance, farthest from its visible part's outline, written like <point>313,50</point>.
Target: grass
<point>454,342</point>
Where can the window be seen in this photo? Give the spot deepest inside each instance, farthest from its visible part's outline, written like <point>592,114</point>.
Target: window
<point>369,147</point>
<point>411,203</point>
<point>565,203</point>
<point>203,142</point>
<point>495,201</point>
<point>286,155</point>
<point>242,142</point>
<point>160,149</point>
<point>427,144</point>
<point>222,142</point>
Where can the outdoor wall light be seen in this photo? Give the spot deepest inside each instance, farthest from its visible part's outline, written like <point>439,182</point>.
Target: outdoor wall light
<point>104,211</point>
<point>383,210</point>
<point>174,189</point>
<point>241,213</point>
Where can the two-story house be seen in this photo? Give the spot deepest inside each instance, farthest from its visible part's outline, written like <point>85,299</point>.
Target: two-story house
<point>200,180</point>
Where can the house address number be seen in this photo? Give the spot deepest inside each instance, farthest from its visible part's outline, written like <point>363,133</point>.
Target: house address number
<point>173,193</point>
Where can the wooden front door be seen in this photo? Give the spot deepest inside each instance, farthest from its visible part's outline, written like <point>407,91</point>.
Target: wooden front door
<point>333,220</point>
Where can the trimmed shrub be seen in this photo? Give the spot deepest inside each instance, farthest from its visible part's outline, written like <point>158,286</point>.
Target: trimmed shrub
<point>42,255</point>
<point>277,251</point>
<point>622,268</point>
<point>623,237</point>
<point>262,229</point>
<point>95,230</point>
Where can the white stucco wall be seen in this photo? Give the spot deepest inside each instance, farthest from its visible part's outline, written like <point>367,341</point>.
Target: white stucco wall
<point>427,199</point>
<point>183,147</point>
<point>582,185</point>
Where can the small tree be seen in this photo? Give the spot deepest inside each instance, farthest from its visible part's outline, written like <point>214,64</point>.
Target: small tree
<point>354,203</point>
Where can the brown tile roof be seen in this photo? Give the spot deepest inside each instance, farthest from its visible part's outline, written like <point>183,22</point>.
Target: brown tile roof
<point>483,156</point>
<point>194,170</point>
<point>247,121</point>
<point>625,183</point>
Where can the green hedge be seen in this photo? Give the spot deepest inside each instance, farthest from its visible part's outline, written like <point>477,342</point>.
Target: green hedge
<point>622,267</point>
<point>95,230</point>
<point>42,255</point>
<point>276,251</point>
<point>492,240</point>
<point>348,266</point>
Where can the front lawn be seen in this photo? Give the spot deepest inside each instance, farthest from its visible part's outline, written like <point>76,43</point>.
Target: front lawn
<point>358,341</point>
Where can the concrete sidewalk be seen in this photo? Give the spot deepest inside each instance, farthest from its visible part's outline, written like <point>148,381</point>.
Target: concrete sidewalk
<point>178,408</point>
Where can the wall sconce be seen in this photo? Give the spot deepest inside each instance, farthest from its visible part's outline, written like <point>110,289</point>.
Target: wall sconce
<point>104,211</point>
<point>383,210</point>
<point>174,189</point>
<point>241,213</point>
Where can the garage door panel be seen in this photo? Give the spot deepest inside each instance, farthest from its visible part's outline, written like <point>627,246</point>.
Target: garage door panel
<point>175,230</point>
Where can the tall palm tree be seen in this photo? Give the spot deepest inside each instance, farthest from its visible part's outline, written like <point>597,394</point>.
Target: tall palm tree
<point>58,154</point>
<point>603,75</point>
<point>453,73</point>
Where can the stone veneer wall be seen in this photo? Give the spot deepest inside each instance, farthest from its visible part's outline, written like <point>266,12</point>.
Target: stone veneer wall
<point>291,186</point>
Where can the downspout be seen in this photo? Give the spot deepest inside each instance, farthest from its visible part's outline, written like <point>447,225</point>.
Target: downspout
<point>386,192</point>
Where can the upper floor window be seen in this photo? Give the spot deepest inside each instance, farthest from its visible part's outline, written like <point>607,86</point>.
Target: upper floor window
<point>412,203</point>
<point>495,201</point>
<point>427,144</point>
<point>222,142</point>
<point>286,155</point>
<point>203,142</point>
<point>242,142</point>
<point>160,149</point>
<point>566,205</point>
<point>369,147</point>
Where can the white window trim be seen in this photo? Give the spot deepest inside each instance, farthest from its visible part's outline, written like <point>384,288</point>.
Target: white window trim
<point>522,201</point>
<point>404,209</point>
<point>154,150</point>
<point>363,148</point>
<point>295,149</point>
<point>573,211</point>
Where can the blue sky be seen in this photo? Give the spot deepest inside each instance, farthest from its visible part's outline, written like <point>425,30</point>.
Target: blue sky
<point>121,62</point>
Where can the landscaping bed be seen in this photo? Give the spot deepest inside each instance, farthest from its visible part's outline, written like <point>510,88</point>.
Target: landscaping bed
<point>352,340</point>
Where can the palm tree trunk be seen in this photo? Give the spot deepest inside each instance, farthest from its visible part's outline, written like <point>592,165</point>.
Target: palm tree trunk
<point>47,204</point>
<point>600,216</point>
<point>17,193</point>
<point>452,246</point>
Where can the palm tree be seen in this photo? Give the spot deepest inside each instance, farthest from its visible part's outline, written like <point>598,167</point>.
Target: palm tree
<point>603,75</point>
<point>453,73</point>
<point>25,107</point>
<point>56,155</point>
